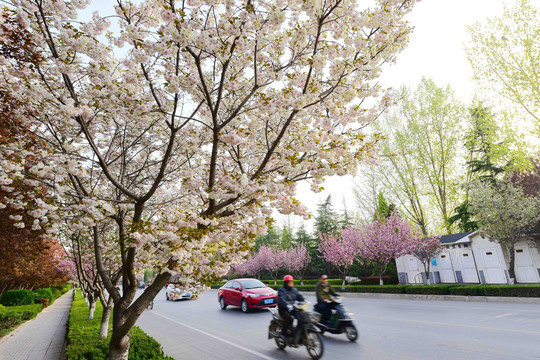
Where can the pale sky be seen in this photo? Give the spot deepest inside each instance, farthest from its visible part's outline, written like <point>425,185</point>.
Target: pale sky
<point>436,50</point>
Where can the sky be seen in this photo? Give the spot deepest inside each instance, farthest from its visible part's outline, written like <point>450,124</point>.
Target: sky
<point>436,50</point>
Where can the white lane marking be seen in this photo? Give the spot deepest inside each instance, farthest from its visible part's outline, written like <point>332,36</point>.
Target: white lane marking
<point>215,337</point>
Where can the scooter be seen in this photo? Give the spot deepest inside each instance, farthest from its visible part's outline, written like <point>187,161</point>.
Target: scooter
<point>308,336</point>
<point>339,325</point>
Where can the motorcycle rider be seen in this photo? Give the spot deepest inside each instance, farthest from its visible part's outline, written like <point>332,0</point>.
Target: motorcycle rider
<point>287,295</point>
<point>324,291</point>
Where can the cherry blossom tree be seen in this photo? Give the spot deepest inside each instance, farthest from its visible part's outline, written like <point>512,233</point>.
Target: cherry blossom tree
<point>183,124</point>
<point>271,260</point>
<point>297,259</point>
<point>426,248</point>
<point>384,240</point>
<point>250,266</point>
<point>81,252</point>
<point>341,250</point>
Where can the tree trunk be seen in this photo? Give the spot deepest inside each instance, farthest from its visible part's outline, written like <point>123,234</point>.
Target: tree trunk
<point>343,282</point>
<point>511,268</point>
<point>92,308</point>
<point>426,269</point>
<point>119,346</point>
<point>381,281</point>
<point>104,325</point>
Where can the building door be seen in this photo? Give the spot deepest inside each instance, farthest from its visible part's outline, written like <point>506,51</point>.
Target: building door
<point>413,270</point>
<point>444,265</point>
<point>494,269</point>
<point>469,268</point>
<point>525,270</point>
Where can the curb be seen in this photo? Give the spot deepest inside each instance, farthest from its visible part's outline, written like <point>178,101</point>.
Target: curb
<point>490,299</point>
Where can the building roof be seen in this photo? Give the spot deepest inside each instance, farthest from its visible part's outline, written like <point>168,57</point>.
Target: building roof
<point>448,239</point>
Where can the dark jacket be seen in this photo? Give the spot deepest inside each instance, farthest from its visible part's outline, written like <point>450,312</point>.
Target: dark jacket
<point>320,289</point>
<point>287,296</point>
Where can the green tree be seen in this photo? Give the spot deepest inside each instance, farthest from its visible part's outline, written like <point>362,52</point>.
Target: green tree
<point>504,214</point>
<point>326,220</point>
<point>421,166</point>
<point>505,56</point>
<point>384,210</point>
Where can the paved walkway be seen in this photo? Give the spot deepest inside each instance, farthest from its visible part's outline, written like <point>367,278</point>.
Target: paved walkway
<point>41,338</point>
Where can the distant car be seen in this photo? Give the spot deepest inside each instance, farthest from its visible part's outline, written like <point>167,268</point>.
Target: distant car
<point>173,293</point>
<point>248,294</point>
<point>141,285</point>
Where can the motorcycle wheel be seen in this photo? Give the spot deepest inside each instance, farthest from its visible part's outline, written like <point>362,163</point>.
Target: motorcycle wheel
<point>280,343</point>
<point>315,345</point>
<point>352,333</point>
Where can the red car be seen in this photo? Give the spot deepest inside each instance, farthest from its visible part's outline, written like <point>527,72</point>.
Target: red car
<point>248,294</point>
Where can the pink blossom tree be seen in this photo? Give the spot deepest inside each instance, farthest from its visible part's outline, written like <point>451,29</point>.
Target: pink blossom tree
<point>384,240</point>
<point>183,139</point>
<point>341,250</point>
<point>426,248</point>
<point>271,260</point>
<point>250,266</point>
<point>297,260</point>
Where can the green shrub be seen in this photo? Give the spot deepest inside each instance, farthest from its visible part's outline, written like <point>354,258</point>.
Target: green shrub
<point>387,289</point>
<point>56,292</point>
<point>17,297</point>
<point>43,293</point>
<point>497,290</point>
<point>2,308</point>
<point>84,343</point>
<point>12,316</point>
<point>428,289</point>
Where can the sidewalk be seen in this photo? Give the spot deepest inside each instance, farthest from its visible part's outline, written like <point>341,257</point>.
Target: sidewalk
<point>40,338</point>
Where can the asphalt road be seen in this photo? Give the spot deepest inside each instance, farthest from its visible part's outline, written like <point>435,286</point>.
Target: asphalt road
<point>388,329</point>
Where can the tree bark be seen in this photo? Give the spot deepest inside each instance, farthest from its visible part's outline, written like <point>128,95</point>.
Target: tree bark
<point>104,325</point>
<point>119,346</point>
<point>92,301</point>
<point>511,268</point>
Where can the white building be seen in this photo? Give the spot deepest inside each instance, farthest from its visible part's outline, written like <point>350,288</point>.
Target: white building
<point>468,258</point>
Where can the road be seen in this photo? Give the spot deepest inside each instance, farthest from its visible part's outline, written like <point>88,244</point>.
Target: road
<point>388,329</point>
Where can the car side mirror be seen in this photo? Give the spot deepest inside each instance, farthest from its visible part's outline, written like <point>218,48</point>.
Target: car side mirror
<point>237,288</point>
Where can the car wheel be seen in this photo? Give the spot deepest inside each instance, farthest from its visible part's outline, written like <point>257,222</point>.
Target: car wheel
<point>222,303</point>
<point>244,306</point>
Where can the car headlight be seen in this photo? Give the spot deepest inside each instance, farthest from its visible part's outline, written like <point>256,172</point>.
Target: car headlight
<point>275,293</point>
<point>254,295</point>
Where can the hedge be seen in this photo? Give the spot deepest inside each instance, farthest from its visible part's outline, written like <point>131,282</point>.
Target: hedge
<point>44,293</point>
<point>83,337</point>
<point>12,316</point>
<point>497,290</point>
<point>17,297</point>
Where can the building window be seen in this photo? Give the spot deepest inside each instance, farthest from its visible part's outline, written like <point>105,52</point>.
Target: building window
<point>489,253</point>
<point>465,245</point>
<point>465,255</point>
<point>519,250</point>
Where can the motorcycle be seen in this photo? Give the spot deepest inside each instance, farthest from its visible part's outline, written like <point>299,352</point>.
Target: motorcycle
<point>339,325</point>
<point>309,335</point>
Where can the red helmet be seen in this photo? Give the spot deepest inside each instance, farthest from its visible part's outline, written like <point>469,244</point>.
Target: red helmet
<point>288,278</point>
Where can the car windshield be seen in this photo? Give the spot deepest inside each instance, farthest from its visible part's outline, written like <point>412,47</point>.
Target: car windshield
<point>252,284</point>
